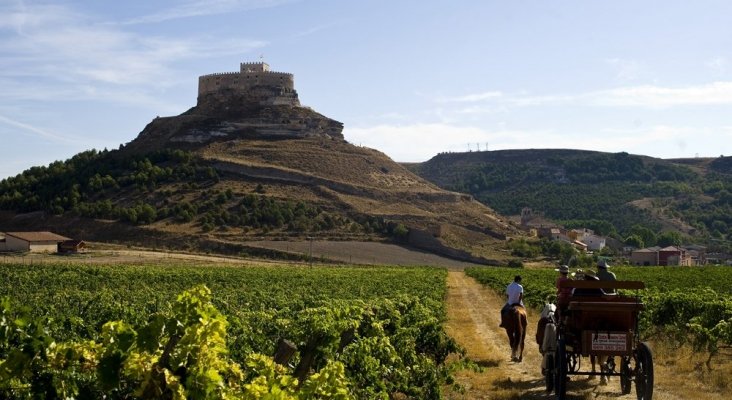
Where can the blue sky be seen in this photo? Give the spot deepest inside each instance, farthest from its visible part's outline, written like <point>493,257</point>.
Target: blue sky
<point>409,78</point>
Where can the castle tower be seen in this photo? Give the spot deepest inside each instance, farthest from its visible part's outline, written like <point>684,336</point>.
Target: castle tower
<point>526,215</point>
<point>247,68</point>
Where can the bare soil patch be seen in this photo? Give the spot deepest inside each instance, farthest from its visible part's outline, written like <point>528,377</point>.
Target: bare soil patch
<point>353,252</point>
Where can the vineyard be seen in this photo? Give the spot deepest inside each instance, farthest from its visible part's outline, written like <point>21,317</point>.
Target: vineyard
<point>685,305</point>
<point>222,332</point>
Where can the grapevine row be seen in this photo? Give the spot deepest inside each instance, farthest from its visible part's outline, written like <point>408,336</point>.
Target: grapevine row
<point>108,331</point>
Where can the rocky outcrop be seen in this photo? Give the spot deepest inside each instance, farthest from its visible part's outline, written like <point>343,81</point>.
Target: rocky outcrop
<point>261,113</point>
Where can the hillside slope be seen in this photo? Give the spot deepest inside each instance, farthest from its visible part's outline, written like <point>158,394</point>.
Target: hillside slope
<point>237,168</point>
<point>615,193</point>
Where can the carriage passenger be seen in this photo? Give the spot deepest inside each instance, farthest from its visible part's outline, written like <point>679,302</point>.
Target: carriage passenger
<point>563,293</point>
<point>604,275</point>
<point>587,276</point>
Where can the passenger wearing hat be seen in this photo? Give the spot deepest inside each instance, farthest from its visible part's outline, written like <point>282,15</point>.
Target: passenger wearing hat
<point>604,275</point>
<point>563,293</point>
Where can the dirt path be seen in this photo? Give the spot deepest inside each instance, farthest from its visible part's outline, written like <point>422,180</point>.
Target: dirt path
<point>473,321</point>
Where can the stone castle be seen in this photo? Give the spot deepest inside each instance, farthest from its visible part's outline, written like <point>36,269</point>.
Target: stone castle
<point>254,103</point>
<point>255,80</point>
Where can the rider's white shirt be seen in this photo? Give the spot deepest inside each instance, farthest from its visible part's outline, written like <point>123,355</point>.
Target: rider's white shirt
<point>514,291</point>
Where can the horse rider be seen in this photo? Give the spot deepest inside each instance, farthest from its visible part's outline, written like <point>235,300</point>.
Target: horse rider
<point>514,295</point>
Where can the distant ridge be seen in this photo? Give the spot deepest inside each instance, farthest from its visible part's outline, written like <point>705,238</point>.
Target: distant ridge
<point>613,192</point>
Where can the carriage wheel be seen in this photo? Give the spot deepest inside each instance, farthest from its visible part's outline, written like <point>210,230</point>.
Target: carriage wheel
<point>549,373</point>
<point>625,375</point>
<point>560,370</point>
<point>643,372</point>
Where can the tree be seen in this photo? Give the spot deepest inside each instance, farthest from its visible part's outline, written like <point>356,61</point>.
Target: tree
<point>635,241</point>
<point>648,236</point>
<point>146,214</point>
<point>401,232</point>
<point>669,238</point>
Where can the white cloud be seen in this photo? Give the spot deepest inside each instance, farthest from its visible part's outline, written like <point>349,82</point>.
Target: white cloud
<point>198,8</point>
<point>37,131</point>
<point>626,70</point>
<point>61,55</point>
<point>471,97</point>
<point>643,96</point>
<point>422,141</point>
<point>717,64</point>
<point>715,93</point>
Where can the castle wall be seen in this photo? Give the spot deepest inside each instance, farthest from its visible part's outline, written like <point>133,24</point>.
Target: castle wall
<point>244,81</point>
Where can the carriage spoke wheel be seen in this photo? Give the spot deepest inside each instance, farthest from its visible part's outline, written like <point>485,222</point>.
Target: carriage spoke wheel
<point>560,370</point>
<point>643,372</point>
<point>625,375</point>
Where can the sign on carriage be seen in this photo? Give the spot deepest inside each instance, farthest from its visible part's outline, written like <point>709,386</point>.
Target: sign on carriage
<point>615,342</point>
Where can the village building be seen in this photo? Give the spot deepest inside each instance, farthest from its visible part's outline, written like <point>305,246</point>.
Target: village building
<point>34,242</point>
<point>587,236</point>
<point>671,255</point>
<point>72,246</point>
<point>697,254</point>
<point>646,256</point>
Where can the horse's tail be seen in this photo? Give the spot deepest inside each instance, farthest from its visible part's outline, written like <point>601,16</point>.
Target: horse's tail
<point>518,316</point>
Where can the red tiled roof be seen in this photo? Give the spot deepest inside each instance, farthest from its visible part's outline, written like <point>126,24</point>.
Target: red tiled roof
<point>37,236</point>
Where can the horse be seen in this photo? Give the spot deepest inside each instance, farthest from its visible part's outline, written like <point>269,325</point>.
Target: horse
<point>546,317</point>
<point>515,326</point>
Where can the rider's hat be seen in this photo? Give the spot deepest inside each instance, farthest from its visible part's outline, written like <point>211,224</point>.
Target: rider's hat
<point>563,269</point>
<point>602,264</point>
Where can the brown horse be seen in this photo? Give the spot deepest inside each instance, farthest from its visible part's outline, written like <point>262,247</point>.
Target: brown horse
<point>516,324</point>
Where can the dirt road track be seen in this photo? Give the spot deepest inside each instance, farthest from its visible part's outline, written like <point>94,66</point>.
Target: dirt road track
<point>473,318</point>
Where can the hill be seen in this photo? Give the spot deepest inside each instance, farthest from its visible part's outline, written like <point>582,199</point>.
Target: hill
<point>247,163</point>
<point>616,194</point>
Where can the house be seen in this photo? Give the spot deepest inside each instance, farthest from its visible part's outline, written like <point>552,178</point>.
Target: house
<point>672,255</point>
<point>71,246</point>
<point>579,245</point>
<point>551,233</point>
<point>697,254</point>
<point>594,242</point>
<point>627,250</point>
<point>587,236</point>
<point>35,242</point>
<point>647,256</point>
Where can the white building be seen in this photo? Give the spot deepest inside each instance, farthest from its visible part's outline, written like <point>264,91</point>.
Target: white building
<point>588,237</point>
<point>35,242</point>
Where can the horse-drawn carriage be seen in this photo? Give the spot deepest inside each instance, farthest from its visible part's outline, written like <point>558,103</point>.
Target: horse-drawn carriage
<point>593,323</point>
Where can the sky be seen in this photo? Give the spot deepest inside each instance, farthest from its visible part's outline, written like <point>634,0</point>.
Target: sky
<point>409,78</point>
